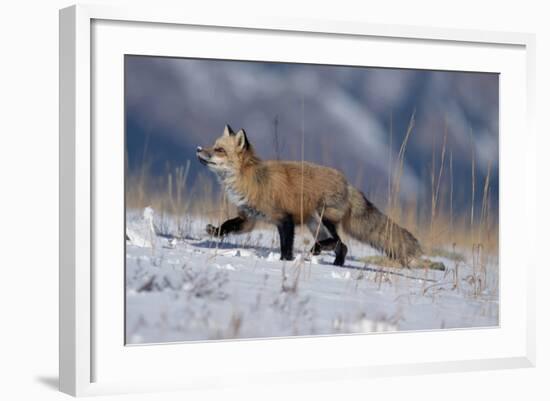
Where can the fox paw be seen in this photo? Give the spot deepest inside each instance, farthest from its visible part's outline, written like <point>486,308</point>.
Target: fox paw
<point>316,249</point>
<point>211,230</point>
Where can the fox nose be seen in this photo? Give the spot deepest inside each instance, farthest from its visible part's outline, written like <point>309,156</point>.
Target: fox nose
<point>199,148</point>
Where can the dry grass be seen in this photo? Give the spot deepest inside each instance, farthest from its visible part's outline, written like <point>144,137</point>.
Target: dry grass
<point>171,196</point>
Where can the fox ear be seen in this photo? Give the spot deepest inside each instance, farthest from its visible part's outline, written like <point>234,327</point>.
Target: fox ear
<point>227,130</point>
<point>242,140</point>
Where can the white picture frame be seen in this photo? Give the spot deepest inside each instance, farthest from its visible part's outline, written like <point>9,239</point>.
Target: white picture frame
<point>83,349</point>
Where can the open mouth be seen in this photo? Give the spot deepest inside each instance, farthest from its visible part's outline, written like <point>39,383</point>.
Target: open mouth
<point>204,161</point>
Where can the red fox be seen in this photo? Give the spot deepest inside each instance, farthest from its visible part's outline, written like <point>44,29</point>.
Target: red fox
<point>287,193</point>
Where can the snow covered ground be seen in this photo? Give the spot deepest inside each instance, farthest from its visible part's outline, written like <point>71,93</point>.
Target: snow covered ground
<point>182,285</point>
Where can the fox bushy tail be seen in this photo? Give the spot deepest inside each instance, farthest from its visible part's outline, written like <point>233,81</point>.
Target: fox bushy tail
<point>366,223</point>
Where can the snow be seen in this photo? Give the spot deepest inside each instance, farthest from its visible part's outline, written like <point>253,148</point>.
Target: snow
<point>140,231</point>
<point>195,288</point>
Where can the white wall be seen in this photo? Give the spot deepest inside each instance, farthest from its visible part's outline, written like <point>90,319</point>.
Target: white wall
<point>28,157</point>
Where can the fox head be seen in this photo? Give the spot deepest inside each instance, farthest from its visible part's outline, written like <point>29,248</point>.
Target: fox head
<point>229,152</point>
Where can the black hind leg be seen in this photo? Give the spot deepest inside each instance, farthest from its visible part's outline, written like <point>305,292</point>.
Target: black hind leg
<point>328,244</point>
<point>335,243</point>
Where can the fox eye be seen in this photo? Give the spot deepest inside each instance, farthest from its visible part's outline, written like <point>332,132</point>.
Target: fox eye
<point>219,150</point>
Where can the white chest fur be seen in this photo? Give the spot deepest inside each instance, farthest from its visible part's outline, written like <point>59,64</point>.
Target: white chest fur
<point>236,197</point>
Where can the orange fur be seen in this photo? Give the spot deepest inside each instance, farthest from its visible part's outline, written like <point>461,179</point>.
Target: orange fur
<point>301,191</point>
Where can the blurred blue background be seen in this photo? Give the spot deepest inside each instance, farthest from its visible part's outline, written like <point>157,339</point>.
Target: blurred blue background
<point>353,118</point>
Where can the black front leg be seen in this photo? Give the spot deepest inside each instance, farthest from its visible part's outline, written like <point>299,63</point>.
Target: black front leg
<point>286,237</point>
<point>231,225</point>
